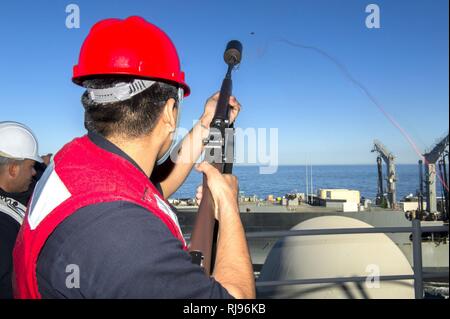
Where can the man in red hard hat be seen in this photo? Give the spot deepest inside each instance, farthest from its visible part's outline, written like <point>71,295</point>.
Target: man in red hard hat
<point>96,226</point>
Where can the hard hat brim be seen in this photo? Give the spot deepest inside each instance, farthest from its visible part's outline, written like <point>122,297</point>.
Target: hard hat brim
<point>34,158</point>
<point>37,159</point>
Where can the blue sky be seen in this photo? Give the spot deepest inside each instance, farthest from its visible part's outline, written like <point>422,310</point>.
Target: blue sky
<point>319,113</point>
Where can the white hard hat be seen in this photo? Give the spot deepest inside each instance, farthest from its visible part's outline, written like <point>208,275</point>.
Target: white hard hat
<point>17,141</point>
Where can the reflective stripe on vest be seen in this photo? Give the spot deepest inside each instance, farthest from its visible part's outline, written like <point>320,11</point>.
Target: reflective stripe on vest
<point>12,208</point>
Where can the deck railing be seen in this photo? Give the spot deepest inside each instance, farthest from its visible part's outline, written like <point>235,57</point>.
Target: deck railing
<point>416,229</point>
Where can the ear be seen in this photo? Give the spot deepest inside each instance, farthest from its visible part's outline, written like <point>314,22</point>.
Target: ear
<point>169,116</point>
<point>14,169</point>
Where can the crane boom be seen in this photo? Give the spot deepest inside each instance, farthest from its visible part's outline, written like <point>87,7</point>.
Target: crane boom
<point>389,159</point>
<point>431,158</point>
<point>433,155</point>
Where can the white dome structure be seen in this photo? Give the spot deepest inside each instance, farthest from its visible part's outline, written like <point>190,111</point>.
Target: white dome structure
<point>329,256</point>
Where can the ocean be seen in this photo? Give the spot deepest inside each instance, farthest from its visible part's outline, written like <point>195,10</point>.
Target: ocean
<point>290,179</point>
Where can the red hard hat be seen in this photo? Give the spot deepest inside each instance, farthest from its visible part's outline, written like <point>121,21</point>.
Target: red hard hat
<point>131,47</point>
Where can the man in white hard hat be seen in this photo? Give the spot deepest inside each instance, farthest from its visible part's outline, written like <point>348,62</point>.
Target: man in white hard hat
<point>18,155</point>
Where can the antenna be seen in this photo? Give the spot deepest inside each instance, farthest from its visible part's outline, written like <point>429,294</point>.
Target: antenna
<point>307,178</point>
<point>312,189</point>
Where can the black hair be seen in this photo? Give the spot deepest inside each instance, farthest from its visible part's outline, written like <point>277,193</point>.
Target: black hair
<point>131,118</point>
